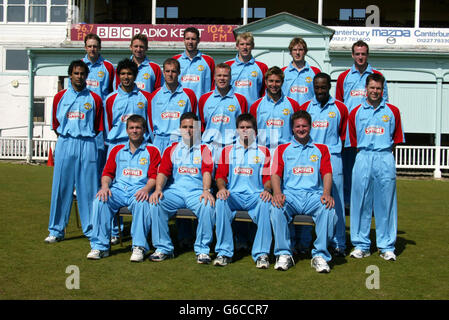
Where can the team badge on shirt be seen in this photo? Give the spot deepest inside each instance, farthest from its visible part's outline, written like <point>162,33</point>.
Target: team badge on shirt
<point>257,159</point>
<point>100,74</point>
<point>87,106</point>
<point>285,112</point>
<point>200,67</point>
<point>385,118</point>
<point>146,76</point>
<point>231,108</point>
<point>140,105</point>
<point>181,103</point>
<point>143,161</point>
<point>308,79</point>
<point>332,114</point>
<point>254,74</point>
<point>313,158</point>
<point>196,160</point>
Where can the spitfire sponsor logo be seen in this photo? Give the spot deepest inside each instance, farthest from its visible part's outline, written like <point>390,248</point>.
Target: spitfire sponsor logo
<point>286,112</point>
<point>188,171</point>
<point>385,118</point>
<point>375,130</point>
<point>221,118</point>
<point>357,93</point>
<point>87,106</point>
<point>243,83</point>
<point>200,67</point>
<point>132,172</point>
<point>314,158</point>
<point>167,115</point>
<point>299,89</point>
<point>140,105</point>
<point>76,115</point>
<point>298,171</point>
<point>92,83</point>
<point>182,103</point>
<point>146,76</point>
<point>140,85</point>
<point>254,74</point>
<point>100,74</point>
<point>275,123</point>
<point>190,78</point>
<point>243,171</point>
<point>332,114</point>
<point>320,124</point>
<point>143,161</point>
<point>124,117</point>
<point>309,79</point>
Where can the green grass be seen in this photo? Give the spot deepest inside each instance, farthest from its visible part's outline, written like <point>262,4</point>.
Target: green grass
<point>31,269</point>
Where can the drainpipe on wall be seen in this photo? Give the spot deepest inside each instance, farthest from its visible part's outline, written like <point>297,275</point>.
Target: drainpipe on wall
<point>29,151</point>
<point>439,112</point>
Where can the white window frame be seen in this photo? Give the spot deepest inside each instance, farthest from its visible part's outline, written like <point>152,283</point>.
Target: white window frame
<point>27,6</point>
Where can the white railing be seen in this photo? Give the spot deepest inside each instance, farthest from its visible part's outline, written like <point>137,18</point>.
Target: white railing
<point>16,148</point>
<point>407,157</point>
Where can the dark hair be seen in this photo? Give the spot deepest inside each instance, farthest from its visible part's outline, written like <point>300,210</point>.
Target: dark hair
<point>301,114</point>
<point>127,64</point>
<point>323,75</point>
<point>172,61</point>
<point>192,30</point>
<point>137,118</point>
<point>188,115</point>
<point>142,38</point>
<point>223,65</point>
<point>375,77</point>
<point>276,71</point>
<point>360,43</point>
<point>78,63</point>
<point>92,36</point>
<point>248,117</point>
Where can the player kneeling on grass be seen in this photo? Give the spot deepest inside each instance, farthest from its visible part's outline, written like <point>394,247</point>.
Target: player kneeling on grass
<point>184,181</point>
<point>243,181</point>
<point>306,173</point>
<point>128,178</point>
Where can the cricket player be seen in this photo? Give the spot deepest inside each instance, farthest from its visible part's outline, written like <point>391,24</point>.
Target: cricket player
<point>128,178</point>
<point>374,129</point>
<point>301,177</point>
<point>243,182</point>
<point>184,181</point>
<point>77,118</point>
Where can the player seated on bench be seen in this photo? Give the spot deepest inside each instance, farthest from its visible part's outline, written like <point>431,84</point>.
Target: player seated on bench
<point>184,181</point>
<point>243,182</point>
<point>128,178</point>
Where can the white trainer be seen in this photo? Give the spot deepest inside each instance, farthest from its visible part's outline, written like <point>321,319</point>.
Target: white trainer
<point>95,254</point>
<point>359,254</point>
<point>138,254</point>
<point>388,255</point>
<point>52,239</point>
<point>284,262</point>
<point>319,264</point>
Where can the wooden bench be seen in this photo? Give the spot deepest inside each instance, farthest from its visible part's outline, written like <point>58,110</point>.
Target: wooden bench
<point>299,219</point>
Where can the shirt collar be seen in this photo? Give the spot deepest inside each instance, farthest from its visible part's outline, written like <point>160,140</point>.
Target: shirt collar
<point>146,61</point>
<point>229,94</point>
<point>366,105</point>
<point>123,92</point>
<point>239,145</point>
<point>281,99</point>
<point>88,62</point>
<point>368,69</point>
<point>185,56</point>
<point>238,61</point>
<point>166,89</point>
<point>141,147</point>
<point>296,144</point>
<point>183,145</point>
<point>291,67</point>
<point>328,103</point>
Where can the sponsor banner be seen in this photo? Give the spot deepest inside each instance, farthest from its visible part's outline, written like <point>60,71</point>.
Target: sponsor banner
<point>320,124</point>
<point>221,118</point>
<point>390,37</point>
<point>132,172</point>
<point>76,115</point>
<point>188,170</point>
<point>243,171</point>
<point>374,130</point>
<point>167,115</point>
<point>158,32</point>
<point>302,170</point>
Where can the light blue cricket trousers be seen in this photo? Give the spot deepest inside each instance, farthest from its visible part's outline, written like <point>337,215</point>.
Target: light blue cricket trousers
<point>304,233</point>
<point>374,188</point>
<point>259,212</point>
<point>75,167</point>
<point>303,202</point>
<point>173,200</point>
<point>104,212</point>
